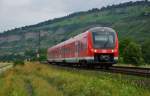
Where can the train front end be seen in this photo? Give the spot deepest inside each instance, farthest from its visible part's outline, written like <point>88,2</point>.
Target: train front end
<point>104,45</point>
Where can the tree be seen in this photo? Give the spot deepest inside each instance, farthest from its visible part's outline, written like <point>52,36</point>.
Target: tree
<point>123,44</point>
<point>30,54</point>
<point>133,54</point>
<point>146,51</point>
<point>43,54</point>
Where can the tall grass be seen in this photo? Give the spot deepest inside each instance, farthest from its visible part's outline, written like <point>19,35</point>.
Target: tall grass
<point>34,79</point>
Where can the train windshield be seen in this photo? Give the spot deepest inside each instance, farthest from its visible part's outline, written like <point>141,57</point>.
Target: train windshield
<point>105,40</point>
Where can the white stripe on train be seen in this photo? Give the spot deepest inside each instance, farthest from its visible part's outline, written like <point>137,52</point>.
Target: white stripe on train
<point>76,59</point>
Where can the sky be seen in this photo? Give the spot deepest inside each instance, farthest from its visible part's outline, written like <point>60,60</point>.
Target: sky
<point>18,13</point>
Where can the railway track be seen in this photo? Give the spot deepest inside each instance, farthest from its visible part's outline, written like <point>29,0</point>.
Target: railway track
<point>144,72</point>
<point>131,70</point>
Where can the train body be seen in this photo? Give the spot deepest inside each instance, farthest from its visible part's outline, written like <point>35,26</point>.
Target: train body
<point>98,45</point>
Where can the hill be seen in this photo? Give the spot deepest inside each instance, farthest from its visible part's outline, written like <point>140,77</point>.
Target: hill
<point>131,19</point>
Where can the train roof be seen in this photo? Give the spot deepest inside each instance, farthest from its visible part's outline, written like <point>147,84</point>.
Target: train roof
<point>70,40</point>
<point>101,29</point>
<point>93,29</point>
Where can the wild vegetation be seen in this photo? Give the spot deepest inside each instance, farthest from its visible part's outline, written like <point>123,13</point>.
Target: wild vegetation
<point>131,19</point>
<point>131,52</point>
<point>34,79</point>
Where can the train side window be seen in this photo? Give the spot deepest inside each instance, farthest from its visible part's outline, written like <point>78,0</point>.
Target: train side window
<point>63,52</point>
<point>84,43</point>
<point>80,47</point>
<point>76,48</point>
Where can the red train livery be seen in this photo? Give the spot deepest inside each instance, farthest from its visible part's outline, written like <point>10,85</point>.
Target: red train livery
<point>98,45</point>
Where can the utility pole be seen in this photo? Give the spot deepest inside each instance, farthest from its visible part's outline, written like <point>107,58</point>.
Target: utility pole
<point>39,45</point>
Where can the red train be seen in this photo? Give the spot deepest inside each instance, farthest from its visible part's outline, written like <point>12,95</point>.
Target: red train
<point>98,45</point>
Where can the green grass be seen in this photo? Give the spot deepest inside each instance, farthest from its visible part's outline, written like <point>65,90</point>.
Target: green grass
<point>34,79</point>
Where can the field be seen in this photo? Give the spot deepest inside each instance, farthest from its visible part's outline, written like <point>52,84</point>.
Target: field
<point>34,79</point>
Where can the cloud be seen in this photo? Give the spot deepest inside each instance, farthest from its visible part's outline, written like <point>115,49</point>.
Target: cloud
<point>17,13</point>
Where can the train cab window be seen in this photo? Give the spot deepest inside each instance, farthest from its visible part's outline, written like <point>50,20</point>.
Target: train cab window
<point>104,39</point>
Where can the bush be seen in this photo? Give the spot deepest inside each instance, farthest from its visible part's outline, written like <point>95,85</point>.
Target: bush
<point>18,62</point>
<point>146,51</point>
<point>123,44</point>
<point>121,59</point>
<point>133,54</point>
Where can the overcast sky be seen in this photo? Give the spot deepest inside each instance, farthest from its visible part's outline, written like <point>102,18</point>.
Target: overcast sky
<point>17,13</point>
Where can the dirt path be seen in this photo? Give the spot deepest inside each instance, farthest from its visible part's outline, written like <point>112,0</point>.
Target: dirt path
<point>5,66</point>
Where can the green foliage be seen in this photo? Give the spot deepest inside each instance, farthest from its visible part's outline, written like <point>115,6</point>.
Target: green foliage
<point>43,55</point>
<point>123,44</point>
<point>30,55</point>
<point>133,54</point>
<point>146,51</point>
<point>12,57</point>
<point>121,59</point>
<point>18,62</point>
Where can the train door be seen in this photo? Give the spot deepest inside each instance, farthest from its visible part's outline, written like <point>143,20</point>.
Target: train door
<point>76,49</point>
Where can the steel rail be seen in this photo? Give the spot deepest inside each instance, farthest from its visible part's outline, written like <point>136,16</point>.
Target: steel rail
<point>131,70</point>
<point>144,72</point>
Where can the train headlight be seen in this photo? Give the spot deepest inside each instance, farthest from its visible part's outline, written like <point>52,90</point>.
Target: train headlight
<point>95,50</point>
<point>112,51</point>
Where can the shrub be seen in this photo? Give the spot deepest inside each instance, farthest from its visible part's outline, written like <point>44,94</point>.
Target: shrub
<point>121,59</point>
<point>146,51</point>
<point>133,54</point>
<point>123,44</point>
<point>18,62</point>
